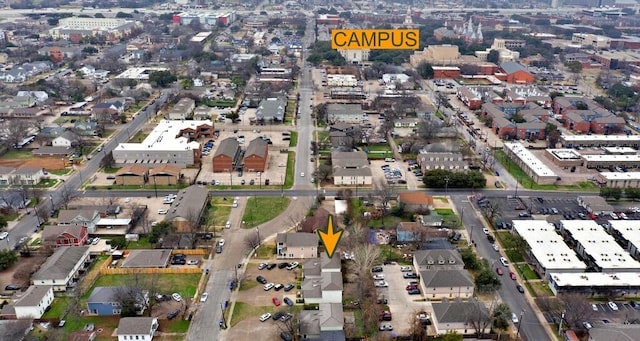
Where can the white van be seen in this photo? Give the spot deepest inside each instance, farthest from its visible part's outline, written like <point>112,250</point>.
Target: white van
<point>389,159</point>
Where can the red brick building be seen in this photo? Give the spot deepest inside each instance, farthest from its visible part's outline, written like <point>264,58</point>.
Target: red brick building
<point>516,73</point>
<point>441,72</point>
<point>226,156</point>
<point>256,155</point>
<point>470,98</point>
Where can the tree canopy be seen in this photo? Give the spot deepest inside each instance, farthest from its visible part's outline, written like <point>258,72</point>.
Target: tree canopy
<point>162,78</point>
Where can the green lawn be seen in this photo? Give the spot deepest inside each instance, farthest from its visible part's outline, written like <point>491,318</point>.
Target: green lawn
<point>185,284</point>
<point>57,307</point>
<point>265,251</point>
<point>17,154</point>
<point>378,151</point>
<point>528,272</point>
<point>242,311</point>
<point>111,170</point>
<point>294,139</point>
<point>248,283</point>
<point>220,210</point>
<point>526,181</point>
<point>142,243</point>
<point>60,171</point>
<point>262,209</point>
<point>177,326</point>
<point>138,137</point>
<point>47,183</point>
<point>291,162</point>
<point>444,211</point>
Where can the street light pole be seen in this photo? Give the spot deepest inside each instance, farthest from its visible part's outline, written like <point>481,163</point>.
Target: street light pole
<point>520,324</point>
<point>446,186</point>
<point>259,180</point>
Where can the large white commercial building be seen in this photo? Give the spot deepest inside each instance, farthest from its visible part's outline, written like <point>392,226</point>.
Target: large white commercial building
<point>619,179</point>
<point>529,163</point>
<point>171,142</point>
<point>596,283</point>
<point>91,26</point>
<point>629,232</point>
<point>608,161</point>
<point>598,247</point>
<point>600,141</point>
<point>547,249</point>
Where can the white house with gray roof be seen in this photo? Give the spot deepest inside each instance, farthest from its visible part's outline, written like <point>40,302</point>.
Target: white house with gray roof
<point>297,245</point>
<point>271,110</point>
<point>137,328</point>
<point>442,274</point>
<point>33,303</point>
<point>456,316</point>
<point>188,207</point>
<point>349,113</point>
<point>351,168</point>
<point>322,280</point>
<point>319,324</point>
<point>61,270</point>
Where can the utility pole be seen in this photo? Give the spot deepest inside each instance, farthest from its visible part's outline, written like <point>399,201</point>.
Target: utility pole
<point>520,324</point>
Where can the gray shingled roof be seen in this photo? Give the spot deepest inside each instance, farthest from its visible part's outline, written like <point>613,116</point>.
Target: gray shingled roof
<point>228,147</point>
<point>33,296</point>
<point>135,325</point>
<point>455,312</point>
<point>512,67</point>
<point>256,147</point>
<point>297,239</point>
<point>190,201</point>
<point>271,109</point>
<point>104,294</point>
<point>423,257</point>
<point>147,259</point>
<point>446,278</point>
<point>349,159</point>
<point>59,265</point>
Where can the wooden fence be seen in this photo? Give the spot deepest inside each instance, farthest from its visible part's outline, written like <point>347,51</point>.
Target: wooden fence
<point>190,252</point>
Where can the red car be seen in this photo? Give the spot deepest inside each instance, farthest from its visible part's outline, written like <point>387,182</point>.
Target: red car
<point>275,301</point>
<point>512,275</point>
<point>411,286</point>
<point>499,271</point>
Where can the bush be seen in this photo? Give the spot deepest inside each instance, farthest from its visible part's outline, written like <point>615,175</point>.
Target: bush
<point>441,178</point>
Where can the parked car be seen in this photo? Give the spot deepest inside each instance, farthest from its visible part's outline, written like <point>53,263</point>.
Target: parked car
<point>283,265</point>
<point>261,280</point>
<point>414,292</point>
<point>171,315</point>
<point>410,275</point>
<point>270,266</point>
<point>504,261</point>
<point>268,286</point>
<point>376,269</point>
<point>288,287</point>
<point>204,297</point>
<point>276,301</point>
<point>520,288</point>
<point>406,268</point>
<point>278,287</point>
<point>262,266</point>
<point>499,271</point>
<point>514,318</point>
<point>293,266</point>
<point>288,301</point>
<point>512,275</point>
<point>613,306</point>
<point>12,287</point>
<point>265,317</point>
<point>176,297</point>
<point>385,327</point>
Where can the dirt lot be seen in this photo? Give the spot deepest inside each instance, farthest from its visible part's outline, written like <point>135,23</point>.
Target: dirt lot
<point>46,163</point>
<point>22,269</point>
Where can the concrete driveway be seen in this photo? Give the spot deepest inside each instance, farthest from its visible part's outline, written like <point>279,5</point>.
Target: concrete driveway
<point>402,305</point>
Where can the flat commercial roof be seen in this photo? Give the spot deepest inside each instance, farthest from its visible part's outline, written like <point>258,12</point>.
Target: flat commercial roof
<point>621,175</point>
<point>628,229</point>
<point>547,246</point>
<point>600,138</point>
<point>596,279</point>
<point>564,154</point>
<point>625,150</point>
<point>532,161</point>
<point>163,137</point>
<point>141,73</point>
<point>611,158</point>
<point>601,246</point>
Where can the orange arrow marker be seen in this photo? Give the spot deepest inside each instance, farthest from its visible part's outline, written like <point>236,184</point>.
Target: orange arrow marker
<point>330,238</point>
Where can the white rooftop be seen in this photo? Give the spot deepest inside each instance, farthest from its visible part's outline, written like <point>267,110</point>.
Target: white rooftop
<point>596,279</point>
<point>115,222</point>
<point>628,229</point>
<point>612,158</point>
<point>600,245</point>
<point>547,246</point>
<point>163,137</point>
<point>626,150</point>
<point>532,161</point>
<point>602,138</point>
<point>140,73</point>
<point>564,154</point>
<point>632,176</point>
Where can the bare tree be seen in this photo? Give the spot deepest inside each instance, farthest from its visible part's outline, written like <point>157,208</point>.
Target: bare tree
<point>417,327</point>
<point>384,194</point>
<point>365,256</point>
<point>15,130</point>
<point>67,195</point>
<point>192,226</point>
<point>493,211</point>
<point>576,308</point>
<point>132,300</point>
<point>290,325</point>
<point>252,240</point>
<point>440,100</point>
<point>15,329</point>
<point>478,316</point>
<point>427,129</point>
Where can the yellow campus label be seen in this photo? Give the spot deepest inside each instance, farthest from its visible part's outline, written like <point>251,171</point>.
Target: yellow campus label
<point>398,39</point>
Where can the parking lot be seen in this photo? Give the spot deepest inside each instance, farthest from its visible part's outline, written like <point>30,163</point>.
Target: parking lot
<point>403,306</point>
<point>253,294</point>
<point>276,164</point>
